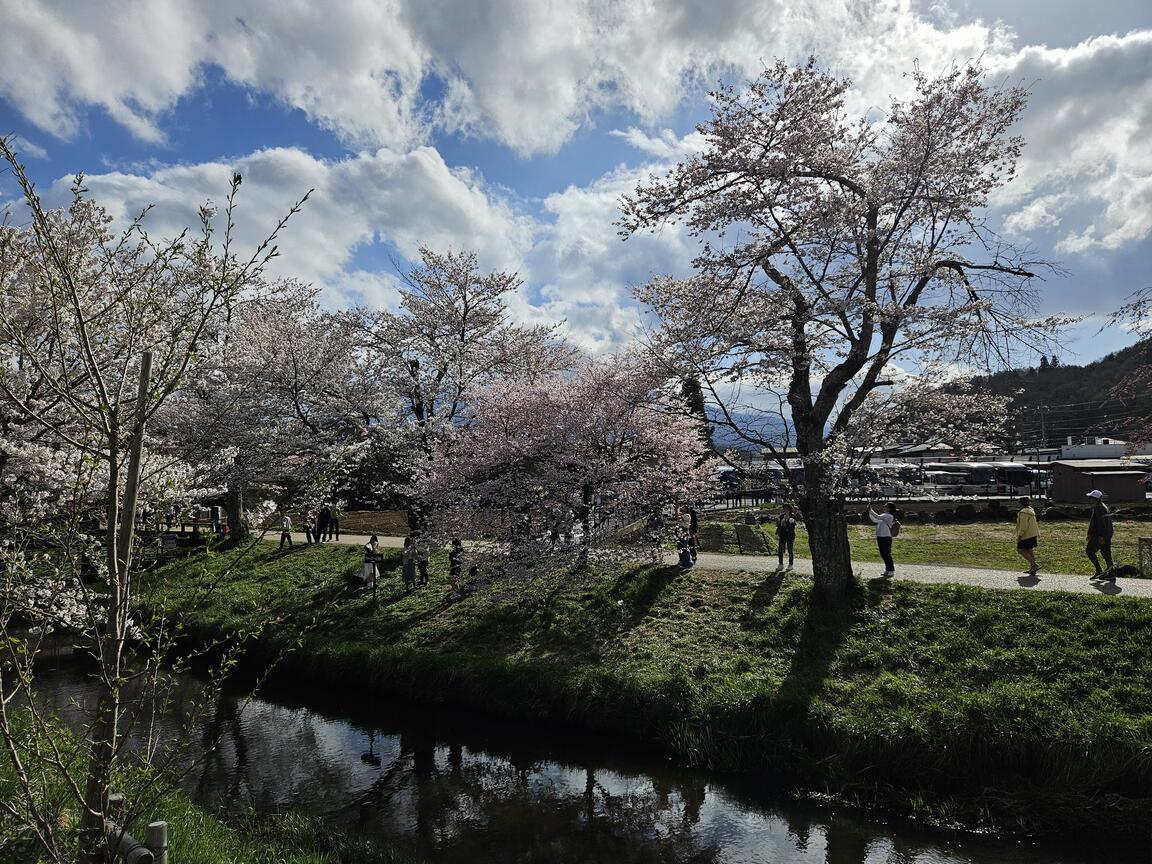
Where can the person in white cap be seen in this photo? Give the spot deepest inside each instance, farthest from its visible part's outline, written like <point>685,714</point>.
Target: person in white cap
<point>1100,536</point>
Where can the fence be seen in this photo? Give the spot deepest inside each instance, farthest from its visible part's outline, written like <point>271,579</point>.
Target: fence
<point>124,847</point>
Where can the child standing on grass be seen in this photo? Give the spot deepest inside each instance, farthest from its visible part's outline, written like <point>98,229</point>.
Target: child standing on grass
<point>1027,535</point>
<point>884,522</point>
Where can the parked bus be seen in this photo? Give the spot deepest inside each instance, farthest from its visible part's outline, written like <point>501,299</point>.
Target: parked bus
<point>1013,478</point>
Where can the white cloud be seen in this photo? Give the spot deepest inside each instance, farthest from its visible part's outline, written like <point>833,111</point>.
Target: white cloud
<point>524,73</point>
<point>1087,166</point>
<point>407,200</point>
<point>24,149</point>
<point>386,75</point>
<point>666,146</point>
<point>584,271</point>
<point>574,265</point>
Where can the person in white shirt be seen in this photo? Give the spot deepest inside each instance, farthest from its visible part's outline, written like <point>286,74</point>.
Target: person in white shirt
<point>285,530</point>
<point>370,570</point>
<point>884,522</point>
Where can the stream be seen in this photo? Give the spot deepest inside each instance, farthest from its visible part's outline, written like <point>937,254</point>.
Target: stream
<point>454,786</point>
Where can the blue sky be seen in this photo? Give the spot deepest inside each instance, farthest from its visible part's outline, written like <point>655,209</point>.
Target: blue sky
<point>512,126</point>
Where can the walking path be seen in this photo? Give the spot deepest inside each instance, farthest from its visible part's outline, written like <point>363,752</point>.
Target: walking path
<point>929,573</point>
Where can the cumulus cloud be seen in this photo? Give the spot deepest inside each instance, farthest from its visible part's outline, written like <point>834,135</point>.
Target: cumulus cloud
<point>575,267</point>
<point>524,73</point>
<point>1087,166</point>
<point>386,77</point>
<point>405,200</point>
<point>584,271</point>
<point>666,146</point>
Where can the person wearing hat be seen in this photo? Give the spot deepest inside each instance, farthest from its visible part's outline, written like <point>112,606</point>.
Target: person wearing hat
<point>1099,535</point>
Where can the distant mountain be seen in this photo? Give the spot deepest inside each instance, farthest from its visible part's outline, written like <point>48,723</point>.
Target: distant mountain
<point>768,426</point>
<point>1052,401</point>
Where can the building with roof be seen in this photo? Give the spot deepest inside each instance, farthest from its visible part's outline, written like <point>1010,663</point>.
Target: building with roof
<point>1103,448</point>
<point>1119,480</point>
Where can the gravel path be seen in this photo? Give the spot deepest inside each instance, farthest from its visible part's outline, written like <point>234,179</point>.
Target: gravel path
<point>931,573</point>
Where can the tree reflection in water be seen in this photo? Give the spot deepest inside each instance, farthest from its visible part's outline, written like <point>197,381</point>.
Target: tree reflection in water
<point>458,788</point>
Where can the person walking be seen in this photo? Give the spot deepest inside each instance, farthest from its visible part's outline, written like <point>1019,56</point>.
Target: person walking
<point>785,536</point>
<point>309,526</point>
<point>334,523</point>
<point>1027,535</point>
<point>1100,536</point>
<point>285,529</point>
<point>408,563</point>
<point>885,521</point>
<point>323,523</point>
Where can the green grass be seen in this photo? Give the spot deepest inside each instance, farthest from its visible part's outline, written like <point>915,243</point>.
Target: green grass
<point>198,837</point>
<point>990,545</point>
<point>1030,709</point>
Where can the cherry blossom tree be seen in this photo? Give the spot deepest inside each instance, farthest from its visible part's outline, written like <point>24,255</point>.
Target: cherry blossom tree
<point>98,332</point>
<point>1136,315</point>
<point>839,257</point>
<point>451,335</point>
<point>556,460</point>
<point>281,397</point>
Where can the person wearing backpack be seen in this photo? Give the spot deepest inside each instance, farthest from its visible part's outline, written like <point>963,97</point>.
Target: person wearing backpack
<point>887,527</point>
<point>1100,536</point>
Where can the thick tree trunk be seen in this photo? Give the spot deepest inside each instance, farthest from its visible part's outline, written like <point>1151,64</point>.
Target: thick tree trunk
<point>828,542</point>
<point>234,511</point>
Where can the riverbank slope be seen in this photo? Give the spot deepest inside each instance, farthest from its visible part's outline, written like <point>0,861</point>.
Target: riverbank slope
<point>1025,711</point>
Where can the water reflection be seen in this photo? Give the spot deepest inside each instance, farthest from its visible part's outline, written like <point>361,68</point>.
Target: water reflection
<point>457,788</point>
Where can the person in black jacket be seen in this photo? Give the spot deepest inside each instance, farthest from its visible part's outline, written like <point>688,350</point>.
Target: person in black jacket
<point>1100,536</point>
<point>323,523</point>
<point>785,536</point>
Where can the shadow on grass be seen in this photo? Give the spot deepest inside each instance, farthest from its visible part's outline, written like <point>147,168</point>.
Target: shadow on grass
<point>823,634</point>
<point>641,587</point>
<point>764,595</point>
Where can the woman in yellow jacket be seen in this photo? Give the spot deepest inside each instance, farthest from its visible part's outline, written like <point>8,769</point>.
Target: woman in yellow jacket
<point>1027,534</point>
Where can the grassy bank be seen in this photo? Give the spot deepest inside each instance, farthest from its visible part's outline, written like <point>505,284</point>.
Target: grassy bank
<point>1022,709</point>
<point>199,837</point>
<point>981,544</point>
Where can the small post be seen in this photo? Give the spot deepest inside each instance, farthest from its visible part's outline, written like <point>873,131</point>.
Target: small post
<point>157,841</point>
<point>115,807</point>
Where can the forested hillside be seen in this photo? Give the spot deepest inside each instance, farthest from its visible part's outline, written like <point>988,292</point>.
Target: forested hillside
<point>1053,400</point>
